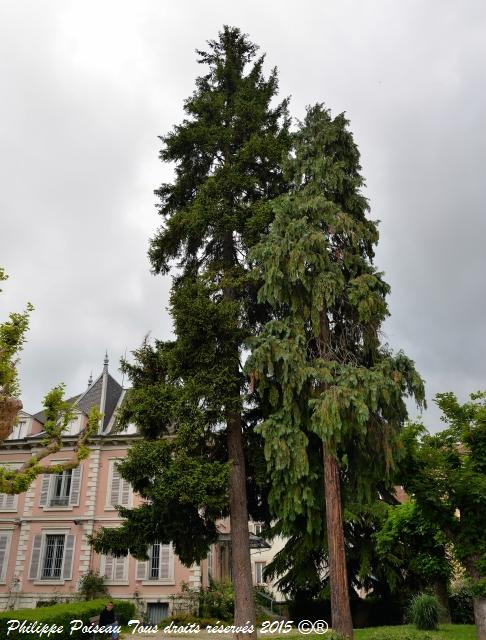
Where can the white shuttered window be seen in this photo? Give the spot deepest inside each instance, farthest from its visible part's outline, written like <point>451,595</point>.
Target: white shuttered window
<point>119,489</point>
<point>61,489</point>
<point>160,566</point>
<point>52,556</point>
<point>4,549</point>
<point>115,569</point>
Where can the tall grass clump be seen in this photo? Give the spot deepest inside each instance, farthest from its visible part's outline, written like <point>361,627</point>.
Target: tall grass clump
<point>423,612</point>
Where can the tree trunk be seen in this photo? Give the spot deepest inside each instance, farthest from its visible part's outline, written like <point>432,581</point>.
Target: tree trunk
<point>443,598</point>
<point>342,622</point>
<point>240,539</point>
<point>480,617</point>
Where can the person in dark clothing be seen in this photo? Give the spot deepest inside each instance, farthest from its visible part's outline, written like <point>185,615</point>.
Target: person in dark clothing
<point>108,618</point>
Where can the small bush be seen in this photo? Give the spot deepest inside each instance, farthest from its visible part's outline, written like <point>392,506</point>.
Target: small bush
<point>461,605</point>
<point>424,612</point>
<point>92,586</point>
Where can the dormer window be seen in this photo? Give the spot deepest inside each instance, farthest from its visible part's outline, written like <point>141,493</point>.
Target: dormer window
<point>74,427</point>
<point>20,430</point>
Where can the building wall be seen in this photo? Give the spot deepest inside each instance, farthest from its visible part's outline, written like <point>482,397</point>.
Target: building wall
<point>29,520</point>
<point>26,527</point>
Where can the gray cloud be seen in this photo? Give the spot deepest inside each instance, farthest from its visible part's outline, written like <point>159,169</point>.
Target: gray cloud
<point>86,89</point>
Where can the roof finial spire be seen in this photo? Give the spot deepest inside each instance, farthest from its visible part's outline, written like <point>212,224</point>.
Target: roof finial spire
<point>105,363</point>
<point>90,380</point>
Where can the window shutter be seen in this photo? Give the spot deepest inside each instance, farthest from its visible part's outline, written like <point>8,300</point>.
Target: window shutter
<point>44,495</point>
<point>119,574</point>
<point>7,502</point>
<point>165,561</point>
<point>3,551</point>
<point>75,487</point>
<point>141,569</point>
<point>67,572</point>
<point>115,486</point>
<point>35,559</point>
<point>10,502</point>
<point>108,571</point>
<point>125,493</point>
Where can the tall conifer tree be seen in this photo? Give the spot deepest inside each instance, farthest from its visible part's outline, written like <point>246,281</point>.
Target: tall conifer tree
<point>227,156</point>
<point>319,361</point>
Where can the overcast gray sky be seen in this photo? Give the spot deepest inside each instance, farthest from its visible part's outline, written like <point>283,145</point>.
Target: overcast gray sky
<point>86,88</point>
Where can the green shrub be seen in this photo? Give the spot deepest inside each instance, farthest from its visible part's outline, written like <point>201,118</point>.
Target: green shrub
<point>92,586</point>
<point>461,605</point>
<point>61,615</point>
<point>217,601</point>
<point>424,612</point>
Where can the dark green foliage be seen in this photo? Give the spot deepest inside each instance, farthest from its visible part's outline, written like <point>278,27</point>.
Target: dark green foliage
<point>316,263</point>
<point>62,614</point>
<point>424,612</point>
<point>461,605</point>
<point>227,154</point>
<point>323,375</point>
<point>92,586</point>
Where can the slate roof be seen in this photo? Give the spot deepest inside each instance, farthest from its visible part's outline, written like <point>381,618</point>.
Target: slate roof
<point>92,397</point>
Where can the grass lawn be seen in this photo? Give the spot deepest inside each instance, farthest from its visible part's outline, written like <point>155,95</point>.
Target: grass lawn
<point>409,632</point>
<point>402,632</point>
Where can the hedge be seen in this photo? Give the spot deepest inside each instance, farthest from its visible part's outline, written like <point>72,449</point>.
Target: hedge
<point>61,616</point>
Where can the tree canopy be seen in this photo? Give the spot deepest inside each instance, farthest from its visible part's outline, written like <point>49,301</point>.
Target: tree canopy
<point>319,362</point>
<point>446,475</point>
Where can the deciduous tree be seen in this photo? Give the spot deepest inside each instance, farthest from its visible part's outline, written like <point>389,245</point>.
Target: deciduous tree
<point>58,412</point>
<point>446,474</point>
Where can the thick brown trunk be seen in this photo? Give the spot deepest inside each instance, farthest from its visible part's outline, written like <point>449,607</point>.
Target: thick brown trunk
<point>342,622</point>
<point>240,539</point>
<point>443,598</point>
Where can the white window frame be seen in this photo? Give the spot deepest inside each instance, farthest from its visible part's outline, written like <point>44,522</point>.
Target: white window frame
<point>21,429</point>
<point>108,505</point>
<point>72,500</point>
<point>6,554</point>
<point>261,567</point>
<point>146,580</point>
<point>74,427</point>
<point>5,497</point>
<point>38,579</point>
<point>130,429</point>
<point>112,580</point>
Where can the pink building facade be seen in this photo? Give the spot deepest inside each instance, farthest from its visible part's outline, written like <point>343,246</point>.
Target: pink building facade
<point>44,549</point>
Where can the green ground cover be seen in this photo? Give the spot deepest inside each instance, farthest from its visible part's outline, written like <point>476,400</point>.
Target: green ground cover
<point>402,632</point>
